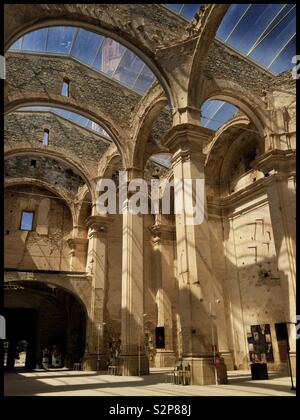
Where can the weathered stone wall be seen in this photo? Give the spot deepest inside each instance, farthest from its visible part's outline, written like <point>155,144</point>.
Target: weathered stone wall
<point>27,129</point>
<point>258,291</point>
<point>224,63</point>
<point>42,76</point>
<point>44,169</point>
<point>47,250</point>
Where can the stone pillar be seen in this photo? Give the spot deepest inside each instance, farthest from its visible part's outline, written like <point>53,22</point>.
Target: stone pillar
<point>162,240</point>
<point>194,258</point>
<point>94,358</point>
<point>133,360</point>
<point>279,165</point>
<point>78,249</point>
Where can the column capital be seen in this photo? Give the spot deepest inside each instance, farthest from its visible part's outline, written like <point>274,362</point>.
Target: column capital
<point>188,140</point>
<point>162,232</point>
<point>98,223</point>
<point>73,242</point>
<point>276,161</point>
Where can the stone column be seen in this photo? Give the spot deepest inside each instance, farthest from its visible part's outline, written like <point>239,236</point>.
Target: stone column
<point>133,360</point>
<point>279,167</point>
<point>162,240</point>
<point>78,249</point>
<point>94,358</point>
<point>195,275</point>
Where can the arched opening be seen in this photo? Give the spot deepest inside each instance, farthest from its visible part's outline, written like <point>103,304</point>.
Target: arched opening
<point>42,316</point>
<point>103,54</point>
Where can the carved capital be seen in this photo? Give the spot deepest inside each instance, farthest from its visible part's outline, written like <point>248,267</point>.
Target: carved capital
<point>161,232</point>
<point>276,161</point>
<point>75,244</point>
<point>98,224</point>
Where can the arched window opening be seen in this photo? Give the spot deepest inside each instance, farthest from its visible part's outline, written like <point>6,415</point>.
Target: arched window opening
<point>46,137</point>
<point>65,89</point>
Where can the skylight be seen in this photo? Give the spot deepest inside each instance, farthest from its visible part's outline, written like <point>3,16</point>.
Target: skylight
<point>72,116</point>
<point>264,32</point>
<point>215,113</point>
<point>96,51</point>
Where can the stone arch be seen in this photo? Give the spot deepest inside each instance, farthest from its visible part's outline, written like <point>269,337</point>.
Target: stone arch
<point>248,102</point>
<point>110,155</point>
<point>148,111</point>
<point>210,19</point>
<point>69,104</point>
<point>223,145</point>
<point>42,184</point>
<point>54,154</point>
<point>84,210</point>
<point>117,25</point>
<point>69,285</point>
<point>235,121</point>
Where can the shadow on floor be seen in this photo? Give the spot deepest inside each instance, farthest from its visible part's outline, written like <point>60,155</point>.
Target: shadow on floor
<point>17,384</point>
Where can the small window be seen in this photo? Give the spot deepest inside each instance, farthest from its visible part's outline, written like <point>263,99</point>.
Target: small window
<point>27,220</point>
<point>46,137</point>
<point>65,88</point>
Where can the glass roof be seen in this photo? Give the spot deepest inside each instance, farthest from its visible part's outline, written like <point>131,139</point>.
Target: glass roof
<point>216,113</point>
<point>264,32</point>
<point>72,116</point>
<point>98,52</point>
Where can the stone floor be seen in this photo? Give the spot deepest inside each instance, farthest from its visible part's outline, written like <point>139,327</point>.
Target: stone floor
<point>64,382</point>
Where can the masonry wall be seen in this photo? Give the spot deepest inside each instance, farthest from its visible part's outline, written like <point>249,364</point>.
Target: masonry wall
<point>44,248</point>
<point>258,291</point>
<point>26,129</point>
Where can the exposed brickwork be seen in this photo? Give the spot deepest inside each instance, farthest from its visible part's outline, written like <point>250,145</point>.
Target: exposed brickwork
<point>45,169</point>
<point>42,74</point>
<point>224,63</point>
<point>28,128</point>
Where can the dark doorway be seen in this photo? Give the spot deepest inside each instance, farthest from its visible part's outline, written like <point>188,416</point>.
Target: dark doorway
<point>39,317</point>
<point>21,324</point>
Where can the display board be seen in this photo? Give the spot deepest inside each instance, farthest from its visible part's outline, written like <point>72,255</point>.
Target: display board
<point>260,344</point>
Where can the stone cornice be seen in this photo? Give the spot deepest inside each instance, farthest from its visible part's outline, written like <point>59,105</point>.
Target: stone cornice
<point>276,160</point>
<point>98,223</point>
<point>188,138</point>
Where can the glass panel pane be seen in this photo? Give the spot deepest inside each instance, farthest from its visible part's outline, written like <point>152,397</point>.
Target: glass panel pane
<point>231,18</point>
<point>216,113</point>
<point>129,68</point>
<point>27,220</point>
<point>253,25</point>
<point>60,39</point>
<point>175,7</point>
<point>225,113</point>
<point>271,45</point>
<point>145,80</point>
<point>79,119</point>
<point>86,45</point>
<point>16,45</point>
<point>35,41</point>
<point>284,60</point>
<point>189,10</point>
<point>109,56</point>
<point>62,112</point>
<point>208,109</point>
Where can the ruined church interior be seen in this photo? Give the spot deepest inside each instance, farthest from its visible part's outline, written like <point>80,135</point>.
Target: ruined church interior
<point>155,92</point>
